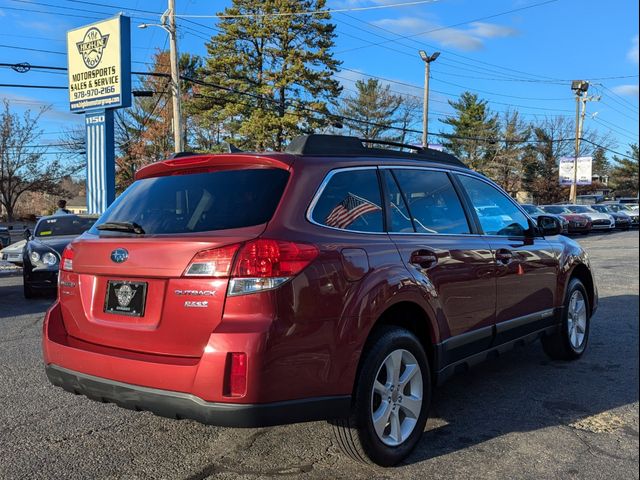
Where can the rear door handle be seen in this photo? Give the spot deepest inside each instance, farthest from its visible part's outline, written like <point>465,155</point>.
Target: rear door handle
<point>503,255</point>
<point>423,258</point>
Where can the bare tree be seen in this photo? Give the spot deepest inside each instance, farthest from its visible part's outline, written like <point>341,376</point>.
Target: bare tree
<point>505,168</point>
<point>26,164</point>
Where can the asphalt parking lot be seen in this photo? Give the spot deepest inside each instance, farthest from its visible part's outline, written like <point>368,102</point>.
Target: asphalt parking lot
<point>522,416</point>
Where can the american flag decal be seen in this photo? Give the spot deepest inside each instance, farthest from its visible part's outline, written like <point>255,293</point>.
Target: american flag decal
<point>349,210</point>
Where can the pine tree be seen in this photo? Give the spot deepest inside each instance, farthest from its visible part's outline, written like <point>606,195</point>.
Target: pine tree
<point>269,77</point>
<point>372,110</point>
<point>475,131</point>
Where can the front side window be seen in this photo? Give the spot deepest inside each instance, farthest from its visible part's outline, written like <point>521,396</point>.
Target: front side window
<point>432,201</point>
<point>399,216</point>
<point>351,201</point>
<point>497,213</point>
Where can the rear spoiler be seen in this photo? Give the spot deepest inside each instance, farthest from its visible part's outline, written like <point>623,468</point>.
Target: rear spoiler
<point>200,163</point>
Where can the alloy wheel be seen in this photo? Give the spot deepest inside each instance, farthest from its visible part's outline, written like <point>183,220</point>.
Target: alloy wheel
<point>577,319</point>
<point>396,397</point>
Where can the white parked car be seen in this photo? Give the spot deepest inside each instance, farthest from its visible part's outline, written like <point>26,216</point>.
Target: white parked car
<point>13,253</point>
<point>599,221</point>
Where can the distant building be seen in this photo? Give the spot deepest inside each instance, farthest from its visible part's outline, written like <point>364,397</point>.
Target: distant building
<point>77,204</point>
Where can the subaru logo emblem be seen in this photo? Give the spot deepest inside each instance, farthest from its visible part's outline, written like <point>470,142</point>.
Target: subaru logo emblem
<point>119,255</point>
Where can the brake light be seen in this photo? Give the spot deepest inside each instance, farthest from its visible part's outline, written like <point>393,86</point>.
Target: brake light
<point>237,379</point>
<point>215,262</point>
<point>66,262</point>
<point>273,258</point>
<point>259,265</point>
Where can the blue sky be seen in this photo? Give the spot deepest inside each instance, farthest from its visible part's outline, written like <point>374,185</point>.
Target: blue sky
<point>522,59</point>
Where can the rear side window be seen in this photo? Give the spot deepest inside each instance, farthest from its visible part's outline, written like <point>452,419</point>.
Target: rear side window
<point>497,213</point>
<point>351,201</point>
<point>199,202</point>
<point>433,201</point>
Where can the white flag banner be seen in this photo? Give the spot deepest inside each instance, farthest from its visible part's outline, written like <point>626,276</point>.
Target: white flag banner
<point>584,170</point>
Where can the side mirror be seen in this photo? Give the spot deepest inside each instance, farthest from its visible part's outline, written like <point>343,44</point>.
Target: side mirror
<point>26,234</point>
<point>549,226</point>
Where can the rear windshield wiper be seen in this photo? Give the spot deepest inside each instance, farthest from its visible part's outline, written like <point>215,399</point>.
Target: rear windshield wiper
<point>129,227</point>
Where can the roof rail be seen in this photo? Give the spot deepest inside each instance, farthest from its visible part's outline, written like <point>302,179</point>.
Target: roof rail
<point>340,145</point>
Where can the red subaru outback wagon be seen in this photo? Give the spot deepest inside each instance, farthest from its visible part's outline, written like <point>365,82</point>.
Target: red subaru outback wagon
<point>333,281</point>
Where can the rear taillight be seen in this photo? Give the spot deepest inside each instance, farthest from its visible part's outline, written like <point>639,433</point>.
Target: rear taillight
<point>259,264</point>
<point>215,262</point>
<point>237,374</point>
<point>66,263</point>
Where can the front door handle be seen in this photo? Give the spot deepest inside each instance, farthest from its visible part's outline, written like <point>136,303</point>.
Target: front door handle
<point>504,256</point>
<point>423,258</point>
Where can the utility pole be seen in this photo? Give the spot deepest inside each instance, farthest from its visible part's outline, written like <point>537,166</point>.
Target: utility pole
<point>175,79</point>
<point>580,87</point>
<point>170,28</point>
<point>425,105</point>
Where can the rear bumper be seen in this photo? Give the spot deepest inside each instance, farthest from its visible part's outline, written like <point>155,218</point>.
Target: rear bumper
<point>178,405</point>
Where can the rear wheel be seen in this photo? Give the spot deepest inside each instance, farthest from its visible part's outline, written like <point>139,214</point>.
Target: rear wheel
<point>570,341</point>
<point>391,400</point>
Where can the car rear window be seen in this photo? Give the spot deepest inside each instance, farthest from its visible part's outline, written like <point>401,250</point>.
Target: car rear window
<point>199,202</point>
<point>63,225</point>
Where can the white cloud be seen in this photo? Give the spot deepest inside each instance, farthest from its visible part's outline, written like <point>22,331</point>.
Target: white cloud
<point>492,30</point>
<point>468,39</point>
<point>632,54</point>
<point>628,90</point>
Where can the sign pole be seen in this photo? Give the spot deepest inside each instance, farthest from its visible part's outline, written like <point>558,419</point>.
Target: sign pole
<point>101,164</point>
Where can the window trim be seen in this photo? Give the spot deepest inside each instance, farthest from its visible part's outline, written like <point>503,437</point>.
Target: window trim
<point>532,232</point>
<point>320,190</point>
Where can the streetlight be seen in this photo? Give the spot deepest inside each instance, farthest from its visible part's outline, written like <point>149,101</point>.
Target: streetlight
<point>425,107</point>
<point>580,88</point>
<point>170,28</point>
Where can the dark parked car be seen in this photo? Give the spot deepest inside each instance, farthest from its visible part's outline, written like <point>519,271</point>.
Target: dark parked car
<point>535,211</point>
<point>625,208</point>
<point>41,254</point>
<point>332,281</point>
<point>5,237</point>
<point>577,223</point>
<point>623,221</point>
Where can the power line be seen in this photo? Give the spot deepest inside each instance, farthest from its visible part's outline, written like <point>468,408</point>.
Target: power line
<point>487,17</point>
<point>327,11</point>
<point>608,149</point>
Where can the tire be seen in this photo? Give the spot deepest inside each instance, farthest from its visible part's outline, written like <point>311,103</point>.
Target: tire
<point>28,290</point>
<point>356,435</point>
<point>570,341</point>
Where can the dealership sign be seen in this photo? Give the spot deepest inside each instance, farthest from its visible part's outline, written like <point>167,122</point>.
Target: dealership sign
<point>99,62</point>
<point>584,170</point>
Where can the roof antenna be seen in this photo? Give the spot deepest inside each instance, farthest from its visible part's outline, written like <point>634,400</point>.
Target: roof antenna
<point>234,149</point>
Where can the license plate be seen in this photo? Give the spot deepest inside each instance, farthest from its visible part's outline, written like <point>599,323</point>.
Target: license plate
<point>125,298</point>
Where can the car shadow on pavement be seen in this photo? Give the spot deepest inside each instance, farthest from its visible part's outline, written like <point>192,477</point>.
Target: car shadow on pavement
<point>13,303</point>
<point>525,391</point>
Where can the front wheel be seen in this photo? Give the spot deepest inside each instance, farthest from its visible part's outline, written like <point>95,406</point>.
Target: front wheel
<point>391,400</point>
<point>570,341</point>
